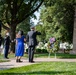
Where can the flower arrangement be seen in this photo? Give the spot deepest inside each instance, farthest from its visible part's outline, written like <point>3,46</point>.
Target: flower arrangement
<point>53,46</point>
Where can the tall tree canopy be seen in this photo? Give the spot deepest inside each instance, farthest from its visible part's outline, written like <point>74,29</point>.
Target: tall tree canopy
<point>57,17</point>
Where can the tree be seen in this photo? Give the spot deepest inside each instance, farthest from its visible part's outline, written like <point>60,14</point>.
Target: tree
<point>57,17</point>
<point>14,12</point>
<point>41,29</point>
<point>25,26</point>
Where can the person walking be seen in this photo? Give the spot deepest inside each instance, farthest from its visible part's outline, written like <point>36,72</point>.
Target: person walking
<point>32,42</point>
<point>6,45</point>
<point>20,38</point>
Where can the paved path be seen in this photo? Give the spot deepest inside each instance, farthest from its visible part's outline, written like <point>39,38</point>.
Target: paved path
<point>12,63</point>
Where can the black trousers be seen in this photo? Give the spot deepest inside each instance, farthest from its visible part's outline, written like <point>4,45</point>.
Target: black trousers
<point>6,51</point>
<point>31,53</point>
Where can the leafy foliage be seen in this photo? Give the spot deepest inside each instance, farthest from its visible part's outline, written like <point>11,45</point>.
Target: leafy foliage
<point>57,16</point>
<point>24,26</point>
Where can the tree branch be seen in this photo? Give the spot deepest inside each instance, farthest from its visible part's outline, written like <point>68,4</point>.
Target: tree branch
<point>19,5</point>
<point>31,1</point>
<point>34,3</point>
<point>19,21</point>
<point>5,27</point>
<point>15,9</point>
<point>6,15</point>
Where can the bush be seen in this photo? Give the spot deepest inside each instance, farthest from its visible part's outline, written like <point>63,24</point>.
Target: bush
<point>27,50</point>
<point>38,50</point>
<point>44,51</point>
<point>41,50</point>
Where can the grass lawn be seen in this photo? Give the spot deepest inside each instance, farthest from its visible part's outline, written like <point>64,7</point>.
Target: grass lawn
<point>45,68</point>
<point>4,60</point>
<point>59,55</point>
<point>45,55</point>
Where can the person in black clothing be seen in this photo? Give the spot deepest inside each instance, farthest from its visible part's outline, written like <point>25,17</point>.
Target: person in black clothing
<point>6,45</point>
<point>0,40</point>
<point>32,42</point>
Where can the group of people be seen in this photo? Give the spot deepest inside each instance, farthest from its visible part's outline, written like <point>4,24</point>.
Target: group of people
<point>19,47</point>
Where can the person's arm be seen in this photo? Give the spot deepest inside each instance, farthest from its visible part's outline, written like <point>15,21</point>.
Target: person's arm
<point>16,41</point>
<point>27,38</point>
<point>38,33</point>
<point>24,38</point>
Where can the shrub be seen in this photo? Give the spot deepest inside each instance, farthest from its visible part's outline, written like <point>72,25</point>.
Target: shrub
<point>38,50</point>
<point>27,50</point>
<point>44,50</point>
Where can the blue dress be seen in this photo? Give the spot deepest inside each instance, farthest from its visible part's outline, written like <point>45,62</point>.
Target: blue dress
<point>20,46</point>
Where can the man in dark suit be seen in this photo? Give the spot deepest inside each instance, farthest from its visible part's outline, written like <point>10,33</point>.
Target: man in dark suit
<point>32,42</point>
<point>6,45</point>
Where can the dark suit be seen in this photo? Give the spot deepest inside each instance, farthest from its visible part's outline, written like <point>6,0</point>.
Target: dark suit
<point>32,42</point>
<point>6,45</point>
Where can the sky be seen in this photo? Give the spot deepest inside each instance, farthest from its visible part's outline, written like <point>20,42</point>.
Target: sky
<point>36,20</point>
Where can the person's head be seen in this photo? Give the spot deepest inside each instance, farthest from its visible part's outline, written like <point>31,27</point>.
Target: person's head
<point>18,35</point>
<point>7,34</point>
<point>32,27</point>
<point>20,32</point>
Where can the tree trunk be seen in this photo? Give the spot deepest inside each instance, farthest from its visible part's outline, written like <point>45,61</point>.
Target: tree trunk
<point>12,36</point>
<point>74,35</point>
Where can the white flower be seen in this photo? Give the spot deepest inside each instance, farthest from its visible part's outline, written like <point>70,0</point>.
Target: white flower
<point>46,44</point>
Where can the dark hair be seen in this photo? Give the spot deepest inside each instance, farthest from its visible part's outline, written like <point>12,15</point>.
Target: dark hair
<point>32,27</point>
<point>21,32</point>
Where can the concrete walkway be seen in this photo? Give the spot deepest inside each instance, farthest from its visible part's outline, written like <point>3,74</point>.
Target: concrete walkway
<point>12,63</point>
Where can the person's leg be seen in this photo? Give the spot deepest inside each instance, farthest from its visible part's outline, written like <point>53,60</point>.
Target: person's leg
<point>6,51</point>
<point>19,59</point>
<point>29,53</point>
<point>32,53</point>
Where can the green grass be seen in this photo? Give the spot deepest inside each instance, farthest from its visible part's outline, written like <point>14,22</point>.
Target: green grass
<point>45,68</point>
<point>4,60</point>
<point>41,55</point>
<point>45,55</point>
<point>59,55</point>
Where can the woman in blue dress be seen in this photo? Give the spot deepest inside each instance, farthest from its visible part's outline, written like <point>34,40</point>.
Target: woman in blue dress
<point>19,46</point>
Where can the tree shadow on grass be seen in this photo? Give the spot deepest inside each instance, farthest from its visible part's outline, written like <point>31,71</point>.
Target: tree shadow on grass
<point>42,73</point>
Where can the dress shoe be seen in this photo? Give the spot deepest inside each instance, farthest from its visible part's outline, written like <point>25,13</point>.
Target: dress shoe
<point>17,60</point>
<point>6,58</point>
<point>32,61</point>
<point>20,60</point>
